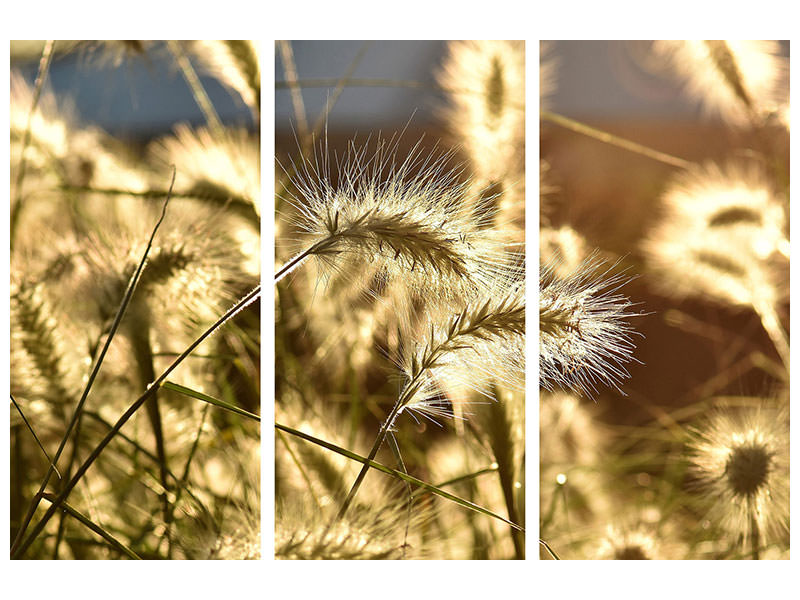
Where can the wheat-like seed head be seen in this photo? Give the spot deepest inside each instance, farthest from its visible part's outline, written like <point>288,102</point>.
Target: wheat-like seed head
<point>741,460</point>
<point>737,79</point>
<point>734,200</point>
<point>563,248</point>
<point>628,544</point>
<point>235,64</point>
<point>223,171</point>
<point>481,344</point>
<point>60,150</point>
<point>719,231</point>
<point>584,335</point>
<point>193,270</point>
<point>485,80</point>
<point>406,221</point>
<point>43,367</point>
<point>50,125</point>
<point>375,532</point>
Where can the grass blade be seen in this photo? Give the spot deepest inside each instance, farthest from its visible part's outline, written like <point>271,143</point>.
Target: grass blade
<point>35,437</point>
<point>94,527</point>
<point>175,387</point>
<point>95,369</point>
<point>395,473</point>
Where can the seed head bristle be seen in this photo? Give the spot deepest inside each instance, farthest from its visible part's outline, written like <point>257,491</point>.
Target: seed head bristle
<point>224,171</point>
<point>722,236</point>
<point>625,543</point>
<point>35,341</point>
<point>740,460</point>
<point>584,334</point>
<point>408,220</point>
<point>481,344</point>
<point>235,64</point>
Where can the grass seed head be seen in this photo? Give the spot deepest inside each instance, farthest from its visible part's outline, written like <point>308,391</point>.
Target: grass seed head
<point>485,80</point>
<point>407,220</point>
<point>481,344</point>
<point>585,338</point>
<point>235,64</point>
<point>740,458</point>
<point>739,80</point>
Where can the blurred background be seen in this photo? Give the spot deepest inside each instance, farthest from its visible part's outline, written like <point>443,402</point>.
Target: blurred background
<point>611,196</point>
<point>322,63</point>
<point>131,94</point>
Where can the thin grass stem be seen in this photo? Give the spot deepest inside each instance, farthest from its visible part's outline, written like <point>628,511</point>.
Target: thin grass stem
<point>114,542</point>
<point>95,369</point>
<point>397,474</point>
<point>550,551</point>
<point>35,437</point>
<point>773,327</point>
<point>289,66</point>
<point>198,91</point>
<point>614,140</point>
<point>44,68</point>
<point>22,546</point>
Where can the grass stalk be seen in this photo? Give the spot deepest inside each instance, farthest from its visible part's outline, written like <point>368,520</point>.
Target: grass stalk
<point>397,474</point>
<point>139,337</point>
<point>114,542</point>
<point>35,437</point>
<point>550,551</point>
<point>289,67</point>
<point>95,369</point>
<point>614,140</point>
<point>772,325</point>
<point>473,323</point>
<point>41,76</point>
<point>20,548</point>
<point>198,91</point>
<point>755,532</point>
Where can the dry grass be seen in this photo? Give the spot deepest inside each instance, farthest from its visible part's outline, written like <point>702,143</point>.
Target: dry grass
<point>681,454</point>
<point>413,305</point>
<point>99,315</point>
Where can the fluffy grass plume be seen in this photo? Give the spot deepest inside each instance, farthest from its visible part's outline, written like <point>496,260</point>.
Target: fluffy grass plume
<point>482,343</point>
<point>399,280</point>
<point>724,236</point>
<point>585,338</point>
<point>235,64</point>
<point>742,81</point>
<point>485,84</point>
<point>740,458</point>
<point>405,218</point>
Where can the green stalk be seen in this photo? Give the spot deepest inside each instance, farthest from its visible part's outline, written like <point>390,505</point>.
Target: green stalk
<point>95,369</point>
<point>398,474</point>
<point>21,547</point>
<point>68,509</point>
